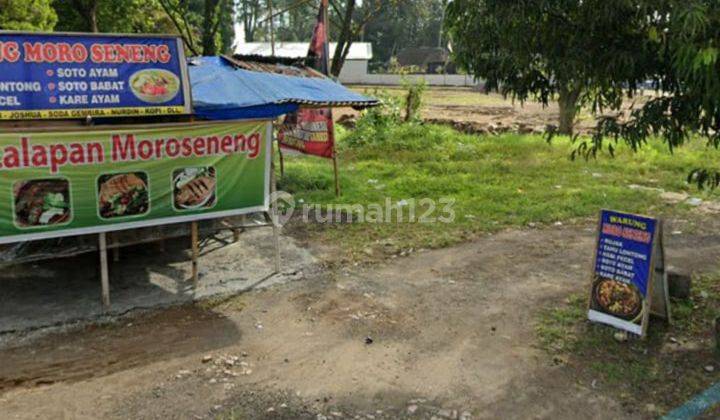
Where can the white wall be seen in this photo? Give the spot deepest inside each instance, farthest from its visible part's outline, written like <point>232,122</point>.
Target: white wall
<point>353,70</point>
<point>359,76</point>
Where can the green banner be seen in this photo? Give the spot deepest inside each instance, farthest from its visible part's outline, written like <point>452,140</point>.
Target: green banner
<point>61,183</point>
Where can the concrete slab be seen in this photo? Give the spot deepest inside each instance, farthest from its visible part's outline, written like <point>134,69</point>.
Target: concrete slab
<point>57,292</point>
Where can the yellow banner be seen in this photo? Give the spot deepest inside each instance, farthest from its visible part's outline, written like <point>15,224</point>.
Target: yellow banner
<point>101,112</point>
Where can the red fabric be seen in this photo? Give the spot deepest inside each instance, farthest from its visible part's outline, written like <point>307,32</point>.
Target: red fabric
<point>311,131</point>
<point>317,45</point>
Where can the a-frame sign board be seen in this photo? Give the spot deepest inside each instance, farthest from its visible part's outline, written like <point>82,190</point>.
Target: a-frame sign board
<point>629,281</point>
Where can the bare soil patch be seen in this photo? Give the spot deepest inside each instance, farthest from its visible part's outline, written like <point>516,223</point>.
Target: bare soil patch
<point>447,333</point>
<point>472,111</point>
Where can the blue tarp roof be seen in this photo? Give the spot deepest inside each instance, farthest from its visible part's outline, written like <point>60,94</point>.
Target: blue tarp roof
<point>220,92</point>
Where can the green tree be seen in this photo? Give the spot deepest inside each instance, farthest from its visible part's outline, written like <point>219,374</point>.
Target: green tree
<point>297,20</point>
<point>138,16</point>
<point>226,28</point>
<point>294,20</point>
<point>201,23</point>
<point>578,51</point>
<point>27,15</point>
<point>348,19</point>
<point>417,23</point>
<point>254,17</point>
<point>686,41</point>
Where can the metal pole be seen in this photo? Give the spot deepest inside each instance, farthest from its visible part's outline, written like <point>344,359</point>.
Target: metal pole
<point>104,277</point>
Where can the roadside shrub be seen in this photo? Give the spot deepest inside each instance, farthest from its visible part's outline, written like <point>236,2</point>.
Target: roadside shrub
<point>374,124</point>
<point>394,67</point>
<point>421,141</point>
<point>414,98</point>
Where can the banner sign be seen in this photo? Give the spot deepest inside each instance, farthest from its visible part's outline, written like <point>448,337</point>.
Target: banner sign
<point>309,131</point>
<point>45,76</point>
<point>623,270</point>
<point>62,183</point>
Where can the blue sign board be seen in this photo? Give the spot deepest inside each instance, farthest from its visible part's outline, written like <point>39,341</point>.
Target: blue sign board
<point>623,270</point>
<point>77,75</point>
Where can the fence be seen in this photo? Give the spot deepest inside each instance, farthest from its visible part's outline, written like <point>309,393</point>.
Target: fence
<point>458,80</point>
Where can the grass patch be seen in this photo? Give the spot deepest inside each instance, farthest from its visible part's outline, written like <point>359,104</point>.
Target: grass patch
<point>664,370</point>
<point>495,181</point>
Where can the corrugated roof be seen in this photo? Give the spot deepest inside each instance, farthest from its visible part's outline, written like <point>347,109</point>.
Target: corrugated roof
<point>277,65</point>
<point>223,91</point>
<point>358,50</point>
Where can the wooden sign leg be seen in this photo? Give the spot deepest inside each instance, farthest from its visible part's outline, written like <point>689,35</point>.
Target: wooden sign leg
<point>273,219</point>
<point>337,176</point>
<point>282,161</point>
<point>276,239</point>
<point>195,252</point>
<point>104,278</point>
<point>236,234</point>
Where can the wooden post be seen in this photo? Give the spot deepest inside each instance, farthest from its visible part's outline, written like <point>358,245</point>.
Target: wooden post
<point>282,161</point>
<point>104,278</point>
<point>335,169</point>
<point>195,252</point>
<point>273,215</point>
<point>327,69</point>
<point>272,28</point>
<point>280,153</point>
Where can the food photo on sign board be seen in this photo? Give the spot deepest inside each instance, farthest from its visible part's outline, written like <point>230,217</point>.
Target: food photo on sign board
<point>627,266</point>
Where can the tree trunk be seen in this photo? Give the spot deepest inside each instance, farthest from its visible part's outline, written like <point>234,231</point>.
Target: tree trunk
<point>92,17</point>
<point>88,11</point>
<point>249,17</point>
<point>209,27</point>
<point>344,40</point>
<point>568,104</point>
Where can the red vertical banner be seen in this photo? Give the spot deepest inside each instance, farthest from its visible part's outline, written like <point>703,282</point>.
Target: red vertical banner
<point>311,130</point>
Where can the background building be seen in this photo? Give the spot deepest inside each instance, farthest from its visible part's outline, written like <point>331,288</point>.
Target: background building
<point>356,62</point>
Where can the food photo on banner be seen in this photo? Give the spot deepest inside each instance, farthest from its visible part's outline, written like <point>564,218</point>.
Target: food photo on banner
<point>623,271</point>
<point>56,76</point>
<point>62,183</point>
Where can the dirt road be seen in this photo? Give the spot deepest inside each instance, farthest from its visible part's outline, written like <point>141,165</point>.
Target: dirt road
<point>446,333</point>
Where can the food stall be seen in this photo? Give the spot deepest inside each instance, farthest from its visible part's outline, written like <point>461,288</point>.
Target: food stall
<point>111,140</point>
